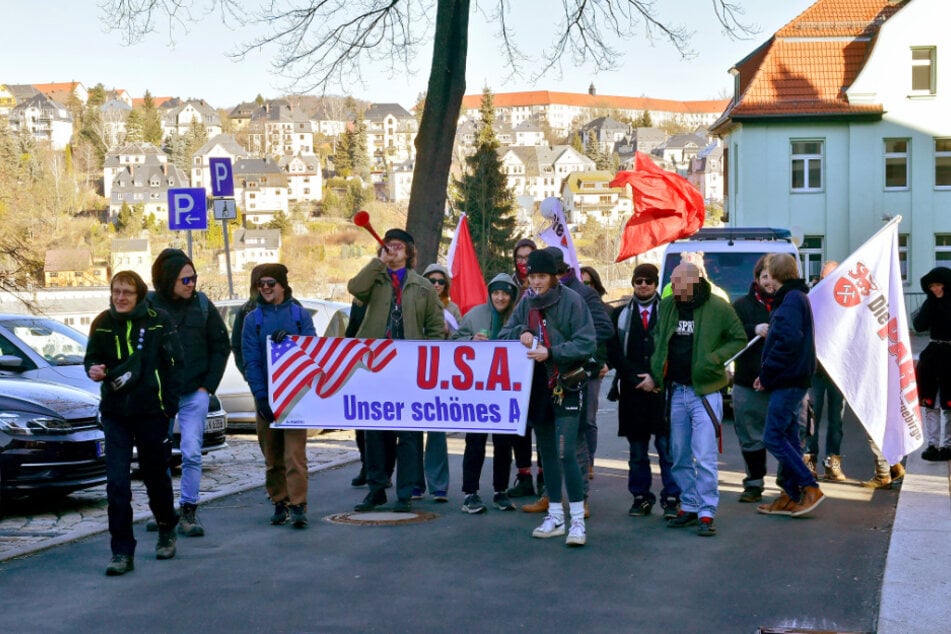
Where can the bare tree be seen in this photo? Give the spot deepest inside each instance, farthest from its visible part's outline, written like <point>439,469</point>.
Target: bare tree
<point>321,43</point>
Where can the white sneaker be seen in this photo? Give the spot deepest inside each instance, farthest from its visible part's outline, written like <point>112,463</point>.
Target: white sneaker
<point>549,528</point>
<point>576,534</point>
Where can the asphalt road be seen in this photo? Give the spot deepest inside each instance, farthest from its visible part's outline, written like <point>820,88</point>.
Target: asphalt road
<point>481,573</point>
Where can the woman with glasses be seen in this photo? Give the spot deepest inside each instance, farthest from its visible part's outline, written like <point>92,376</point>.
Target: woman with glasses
<point>285,457</point>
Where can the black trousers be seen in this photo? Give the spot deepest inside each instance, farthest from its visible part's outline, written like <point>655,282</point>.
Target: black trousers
<point>148,434</point>
<point>407,454</point>
<point>474,457</point>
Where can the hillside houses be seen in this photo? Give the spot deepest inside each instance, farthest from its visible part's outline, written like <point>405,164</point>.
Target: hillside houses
<point>540,171</point>
<point>277,129</point>
<point>391,133</point>
<point>220,146</point>
<point>47,120</point>
<point>260,189</point>
<point>178,117</point>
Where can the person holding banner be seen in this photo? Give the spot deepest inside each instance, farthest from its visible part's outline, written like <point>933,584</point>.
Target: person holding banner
<point>934,363</point>
<point>483,323</point>
<point>789,362</point>
<point>285,457</point>
<point>697,332</point>
<point>400,304</point>
<point>554,323</point>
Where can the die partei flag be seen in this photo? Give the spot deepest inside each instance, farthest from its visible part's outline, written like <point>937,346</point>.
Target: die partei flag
<point>557,234</point>
<point>862,341</point>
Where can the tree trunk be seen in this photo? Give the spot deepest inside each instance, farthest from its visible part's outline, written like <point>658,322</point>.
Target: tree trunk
<point>437,129</point>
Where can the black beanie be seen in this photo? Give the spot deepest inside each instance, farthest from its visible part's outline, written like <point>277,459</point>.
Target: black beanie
<point>165,270</point>
<point>398,234</point>
<point>278,272</point>
<point>541,262</point>
<point>646,271</point>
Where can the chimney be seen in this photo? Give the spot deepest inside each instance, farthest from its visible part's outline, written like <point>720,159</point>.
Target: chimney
<point>591,90</point>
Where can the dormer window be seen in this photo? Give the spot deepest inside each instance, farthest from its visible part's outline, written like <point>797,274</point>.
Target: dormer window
<point>923,75</point>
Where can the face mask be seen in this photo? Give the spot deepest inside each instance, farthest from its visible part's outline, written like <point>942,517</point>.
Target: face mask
<point>522,268</point>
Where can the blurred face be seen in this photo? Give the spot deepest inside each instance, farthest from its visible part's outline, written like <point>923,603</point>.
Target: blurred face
<point>271,290</point>
<point>124,298</point>
<point>644,287</point>
<point>185,284</point>
<point>765,281</point>
<point>540,282</point>
<point>501,300</point>
<point>937,288</point>
<point>683,280</point>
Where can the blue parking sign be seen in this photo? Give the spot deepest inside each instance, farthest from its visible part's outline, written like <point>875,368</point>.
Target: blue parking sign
<point>222,178</point>
<point>187,209</point>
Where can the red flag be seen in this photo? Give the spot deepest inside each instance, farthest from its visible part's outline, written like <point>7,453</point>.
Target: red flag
<point>666,207</point>
<point>467,288</point>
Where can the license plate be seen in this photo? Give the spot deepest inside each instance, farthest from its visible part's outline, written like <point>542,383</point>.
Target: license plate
<point>215,424</point>
<point>100,448</point>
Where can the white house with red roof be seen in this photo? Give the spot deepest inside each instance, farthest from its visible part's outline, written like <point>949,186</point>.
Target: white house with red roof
<point>840,121</point>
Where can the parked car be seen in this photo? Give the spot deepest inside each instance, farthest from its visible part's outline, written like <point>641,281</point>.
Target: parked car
<point>51,440</point>
<point>45,349</point>
<point>330,320</point>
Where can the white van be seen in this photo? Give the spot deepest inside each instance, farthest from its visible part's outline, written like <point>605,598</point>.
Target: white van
<point>729,254</point>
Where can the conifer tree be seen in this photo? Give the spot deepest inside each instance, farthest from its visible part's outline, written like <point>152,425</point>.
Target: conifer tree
<point>151,120</point>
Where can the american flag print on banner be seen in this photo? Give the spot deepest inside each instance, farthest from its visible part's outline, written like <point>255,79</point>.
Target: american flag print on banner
<point>323,364</point>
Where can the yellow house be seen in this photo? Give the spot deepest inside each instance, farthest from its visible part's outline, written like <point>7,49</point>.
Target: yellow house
<point>73,267</point>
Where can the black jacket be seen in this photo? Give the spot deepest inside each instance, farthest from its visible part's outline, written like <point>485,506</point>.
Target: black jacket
<point>935,314</point>
<point>143,345</point>
<point>640,413</point>
<point>751,312</point>
<point>789,354</point>
<point>603,328</point>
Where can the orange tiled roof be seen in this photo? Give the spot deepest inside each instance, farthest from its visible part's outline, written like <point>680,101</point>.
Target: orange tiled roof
<point>548,97</point>
<point>66,86</point>
<point>809,63</point>
<point>138,102</point>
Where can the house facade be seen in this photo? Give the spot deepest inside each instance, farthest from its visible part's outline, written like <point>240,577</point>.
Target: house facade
<point>277,129</point>
<point>126,157</point>
<point>587,195</point>
<point>305,180</point>
<point>178,117</point>
<point>391,134</point>
<point>132,254</point>
<point>838,123</point>
<point>221,146</point>
<point>540,171</point>
<point>250,247</point>
<point>260,189</point>
<point>73,267</point>
<point>46,120</point>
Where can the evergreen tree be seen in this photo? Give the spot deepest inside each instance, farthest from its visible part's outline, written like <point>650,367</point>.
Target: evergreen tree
<point>483,193</point>
<point>176,146</point>
<point>133,127</point>
<point>342,163</point>
<point>359,159</point>
<point>644,121</point>
<point>124,219</point>
<point>151,121</point>
<point>576,142</point>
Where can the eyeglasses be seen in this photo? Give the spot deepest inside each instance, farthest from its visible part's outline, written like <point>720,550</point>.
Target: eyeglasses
<point>395,246</point>
<point>267,283</point>
<point>189,279</point>
<point>437,280</point>
<point>643,280</point>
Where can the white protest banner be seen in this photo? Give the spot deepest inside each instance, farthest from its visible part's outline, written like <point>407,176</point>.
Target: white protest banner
<point>467,386</point>
<point>557,234</point>
<point>862,341</point>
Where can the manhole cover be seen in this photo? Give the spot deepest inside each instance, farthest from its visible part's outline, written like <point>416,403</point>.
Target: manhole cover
<point>381,518</point>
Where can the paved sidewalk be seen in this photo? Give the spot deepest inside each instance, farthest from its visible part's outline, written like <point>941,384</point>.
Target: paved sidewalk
<point>38,524</point>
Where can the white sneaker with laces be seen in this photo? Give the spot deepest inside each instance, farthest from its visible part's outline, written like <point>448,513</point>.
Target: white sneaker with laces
<point>576,534</point>
<point>551,527</point>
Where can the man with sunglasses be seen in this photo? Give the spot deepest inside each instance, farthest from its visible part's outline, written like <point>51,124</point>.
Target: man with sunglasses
<point>400,304</point>
<point>206,347</point>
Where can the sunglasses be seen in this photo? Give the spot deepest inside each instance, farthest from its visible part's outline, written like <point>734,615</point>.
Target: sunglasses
<point>189,279</point>
<point>437,280</point>
<point>267,283</point>
<point>643,280</point>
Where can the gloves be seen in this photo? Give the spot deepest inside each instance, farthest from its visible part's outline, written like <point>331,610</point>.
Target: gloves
<point>278,336</point>
<point>264,410</point>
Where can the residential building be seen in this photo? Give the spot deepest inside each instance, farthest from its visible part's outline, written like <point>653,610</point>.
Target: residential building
<point>260,188</point>
<point>221,146</point>
<point>132,254</point>
<point>588,195</point>
<point>250,247</point>
<point>64,92</point>
<point>47,120</point>
<point>241,114</point>
<point>608,133</point>
<point>126,157</point>
<point>304,177</point>
<point>277,129</point>
<point>838,122</point>
<point>647,140</point>
<point>330,121</point>
<point>391,134</point>
<point>540,171</point>
<point>114,113</point>
<point>400,182</point>
<point>179,116</point>
<point>73,267</point>
<point>7,100</point>
<point>706,173</point>
<point>143,177</point>
<point>679,149</point>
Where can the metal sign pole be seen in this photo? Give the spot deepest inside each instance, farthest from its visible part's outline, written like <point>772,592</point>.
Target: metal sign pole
<point>224,229</point>
<point>190,245</point>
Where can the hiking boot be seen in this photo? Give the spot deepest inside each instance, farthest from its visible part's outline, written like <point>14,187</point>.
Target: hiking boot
<point>539,506</point>
<point>706,529</point>
<point>751,494</point>
<point>880,481</point>
<point>502,502</point>
<point>189,525</point>
<point>280,514</point>
<point>360,480</point>
<point>299,515</point>
<point>522,488</point>
<point>551,527</point>
<point>897,472</point>
<point>782,505</point>
<point>640,507</point>
<point>371,501</point>
<point>151,526</point>
<point>931,454</point>
<point>165,546</point>
<point>810,460</point>
<point>473,504</point>
<point>812,497</point>
<point>119,565</point>
<point>833,465</point>
<point>576,534</point>
<point>684,518</point>
<point>403,506</point>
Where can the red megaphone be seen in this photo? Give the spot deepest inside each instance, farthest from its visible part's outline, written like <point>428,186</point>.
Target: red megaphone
<point>362,219</point>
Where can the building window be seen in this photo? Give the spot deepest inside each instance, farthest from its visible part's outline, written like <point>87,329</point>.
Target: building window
<point>896,164</point>
<point>806,166</point>
<point>903,256</point>
<point>810,257</point>
<point>923,70</point>
<point>942,249</point>
<point>942,163</point>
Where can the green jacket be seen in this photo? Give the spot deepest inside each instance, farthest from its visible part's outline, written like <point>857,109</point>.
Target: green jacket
<point>422,310</point>
<point>718,335</point>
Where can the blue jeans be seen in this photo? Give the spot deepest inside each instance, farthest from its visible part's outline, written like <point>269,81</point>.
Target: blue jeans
<point>693,445</point>
<point>781,436</point>
<point>821,388</point>
<point>433,462</point>
<point>192,410</point>
<point>639,477</point>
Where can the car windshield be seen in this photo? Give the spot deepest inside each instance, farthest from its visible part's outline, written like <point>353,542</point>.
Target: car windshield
<point>733,272</point>
<point>57,343</point>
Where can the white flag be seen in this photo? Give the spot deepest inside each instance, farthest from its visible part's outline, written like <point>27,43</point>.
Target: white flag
<point>862,341</point>
<point>557,234</point>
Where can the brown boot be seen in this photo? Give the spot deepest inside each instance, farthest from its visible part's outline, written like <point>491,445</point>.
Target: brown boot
<point>897,471</point>
<point>541,506</point>
<point>833,465</point>
<point>880,481</point>
<point>780,506</point>
<point>810,460</point>
<point>811,498</point>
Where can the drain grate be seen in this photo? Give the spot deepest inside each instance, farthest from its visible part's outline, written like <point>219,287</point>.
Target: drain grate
<point>381,518</point>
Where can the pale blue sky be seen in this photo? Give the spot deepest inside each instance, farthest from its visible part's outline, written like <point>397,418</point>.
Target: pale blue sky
<point>63,40</point>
